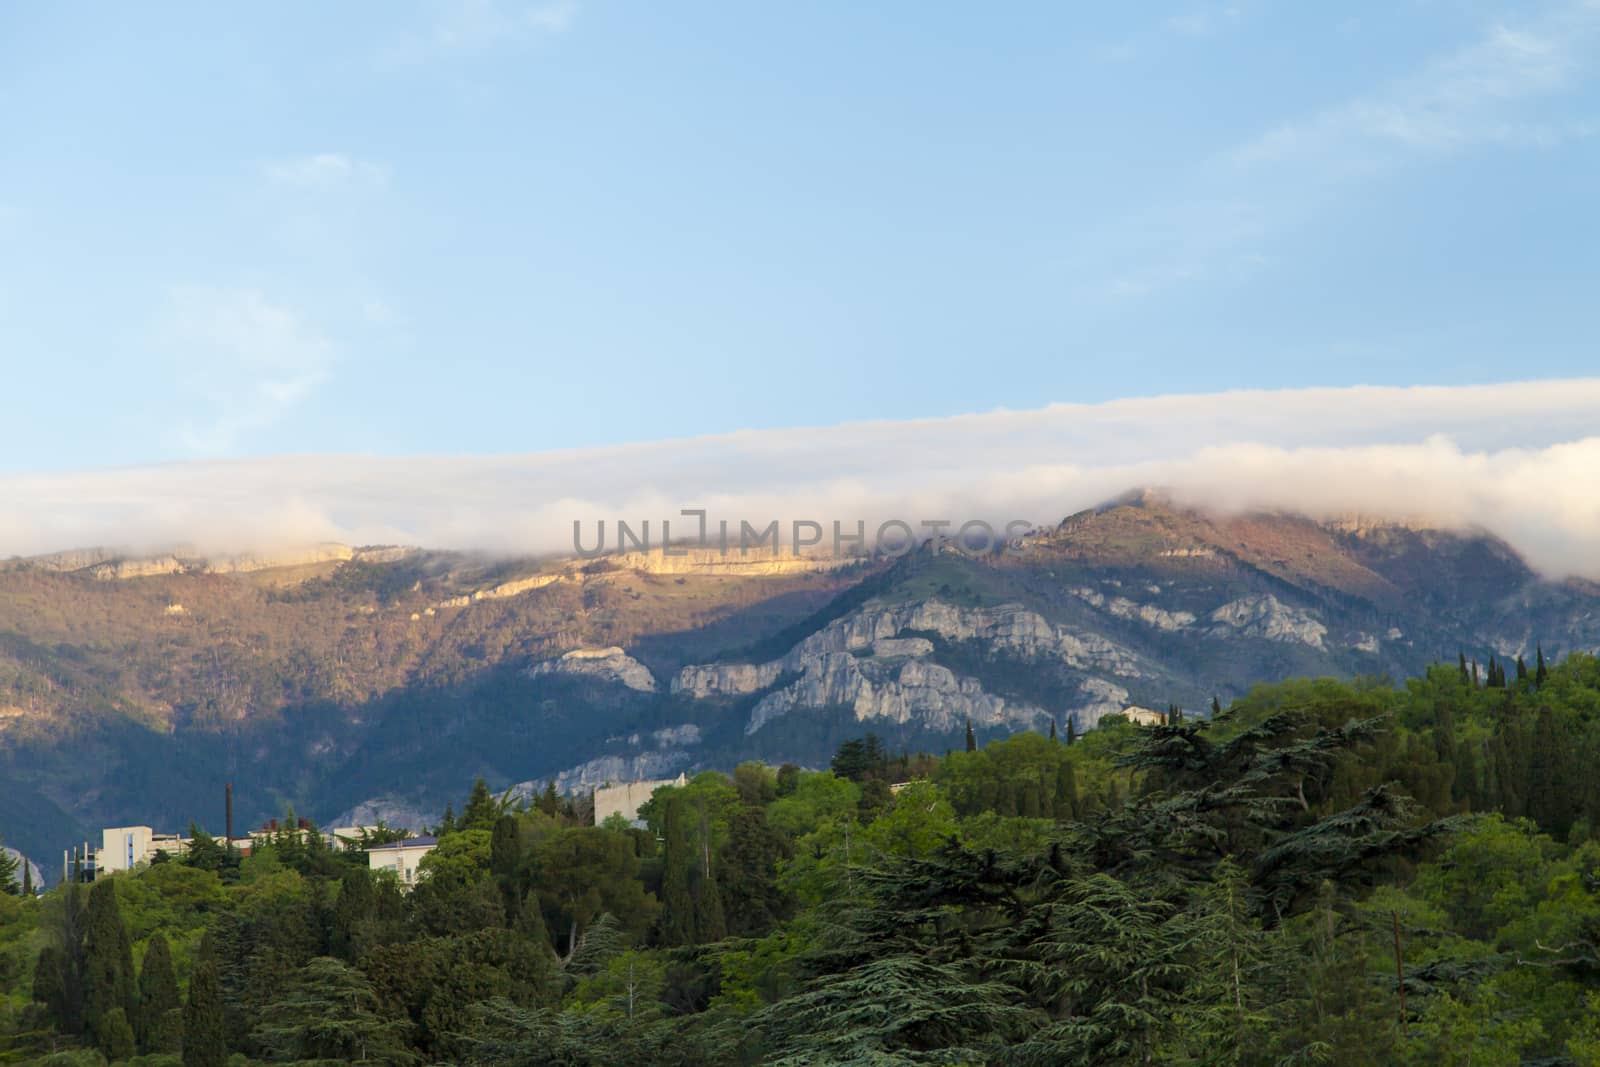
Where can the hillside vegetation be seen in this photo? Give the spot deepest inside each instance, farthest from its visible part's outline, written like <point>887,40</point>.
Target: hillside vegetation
<point>1325,872</point>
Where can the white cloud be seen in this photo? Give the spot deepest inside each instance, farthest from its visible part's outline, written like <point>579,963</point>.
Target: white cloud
<point>467,27</point>
<point>325,170</point>
<point>1516,459</point>
<point>1229,213</point>
<point>1473,96</point>
<point>239,361</point>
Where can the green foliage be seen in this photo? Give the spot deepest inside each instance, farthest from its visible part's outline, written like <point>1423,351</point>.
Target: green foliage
<point>328,1011</point>
<point>204,1038</point>
<point>1255,889</point>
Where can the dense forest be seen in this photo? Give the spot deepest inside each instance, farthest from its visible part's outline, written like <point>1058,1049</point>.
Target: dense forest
<point>1323,872</point>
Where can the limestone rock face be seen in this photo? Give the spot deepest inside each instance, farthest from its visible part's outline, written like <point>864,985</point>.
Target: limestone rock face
<point>612,664</point>
<point>1149,614</point>
<point>1265,616</point>
<point>607,769</point>
<point>862,662</point>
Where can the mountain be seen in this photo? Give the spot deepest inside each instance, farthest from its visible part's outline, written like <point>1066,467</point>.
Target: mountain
<point>358,683</point>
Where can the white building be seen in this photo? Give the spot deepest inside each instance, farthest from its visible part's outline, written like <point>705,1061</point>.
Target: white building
<point>401,857</point>
<point>122,848</point>
<point>627,799</point>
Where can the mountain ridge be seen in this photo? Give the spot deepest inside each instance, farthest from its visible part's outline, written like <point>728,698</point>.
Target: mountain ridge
<point>368,684</point>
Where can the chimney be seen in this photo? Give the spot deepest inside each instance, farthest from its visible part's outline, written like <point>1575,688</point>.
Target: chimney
<point>229,794</point>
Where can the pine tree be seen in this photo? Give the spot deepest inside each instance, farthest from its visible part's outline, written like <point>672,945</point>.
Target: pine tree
<point>972,739</point>
<point>158,999</point>
<point>204,1041</point>
<point>550,800</point>
<point>109,980</point>
<point>481,811</point>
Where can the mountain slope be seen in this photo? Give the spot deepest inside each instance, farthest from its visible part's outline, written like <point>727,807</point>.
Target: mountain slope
<point>366,682</point>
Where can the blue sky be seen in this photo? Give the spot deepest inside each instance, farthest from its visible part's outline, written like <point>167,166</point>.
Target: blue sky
<point>479,228</point>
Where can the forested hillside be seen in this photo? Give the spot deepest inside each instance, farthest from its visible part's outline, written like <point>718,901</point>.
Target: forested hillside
<point>374,686</point>
<point>1324,872</point>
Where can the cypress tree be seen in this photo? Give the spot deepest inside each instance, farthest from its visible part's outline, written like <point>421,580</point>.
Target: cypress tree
<point>1466,679</point>
<point>677,905</point>
<point>1052,727</point>
<point>203,1042</point>
<point>27,878</point>
<point>1072,729</point>
<point>1216,706</point>
<point>1031,807</point>
<point>1464,789</point>
<point>1547,778</point>
<point>158,995</point>
<point>1540,673</point>
<point>115,1035</point>
<point>109,980</point>
<point>710,923</point>
<point>530,924</point>
<point>357,900</point>
<point>50,987</point>
<point>1522,670</point>
<point>1066,798</point>
<point>972,739</point>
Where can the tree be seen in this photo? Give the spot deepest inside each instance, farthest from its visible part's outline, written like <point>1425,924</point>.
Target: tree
<point>329,1012</point>
<point>481,810</point>
<point>1540,672</point>
<point>677,902</point>
<point>159,1003</point>
<point>204,1040</point>
<point>59,972</point>
<point>109,980</point>
<point>115,1036</point>
<point>550,800</point>
<point>972,739</point>
<point>27,878</point>
<point>1072,729</point>
<point>1052,727</point>
<point>8,872</point>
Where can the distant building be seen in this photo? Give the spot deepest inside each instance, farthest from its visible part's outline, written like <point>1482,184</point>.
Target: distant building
<point>401,857</point>
<point>122,848</point>
<point>626,800</point>
<point>1143,716</point>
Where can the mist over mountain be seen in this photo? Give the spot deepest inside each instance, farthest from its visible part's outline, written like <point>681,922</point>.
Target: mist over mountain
<point>371,682</point>
<point>1501,458</point>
